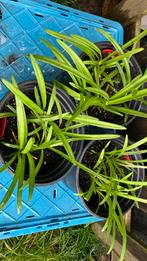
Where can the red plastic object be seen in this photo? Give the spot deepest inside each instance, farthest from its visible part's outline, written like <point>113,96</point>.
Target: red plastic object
<point>126,157</point>
<point>3,122</point>
<point>107,51</point>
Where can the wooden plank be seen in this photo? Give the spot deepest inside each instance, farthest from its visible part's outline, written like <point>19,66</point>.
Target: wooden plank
<point>105,258</point>
<point>91,6</point>
<point>108,5</point>
<point>139,225</point>
<point>114,256</point>
<point>129,17</point>
<point>134,252</point>
<point>136,249</point>
<point>128,11</point>
<point>132,29</point>
<point>143,206</point>
<point>127,218</point>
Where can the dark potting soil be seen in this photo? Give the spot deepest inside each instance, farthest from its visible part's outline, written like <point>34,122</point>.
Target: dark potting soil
<point>90,158</point>
<point>100,113</point>
<point>51,159</point>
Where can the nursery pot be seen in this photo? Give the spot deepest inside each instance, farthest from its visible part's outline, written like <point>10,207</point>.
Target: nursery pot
<point>106,49</point>
<point>70,180</point>
<point>83,180</point>
<point>54,166</point>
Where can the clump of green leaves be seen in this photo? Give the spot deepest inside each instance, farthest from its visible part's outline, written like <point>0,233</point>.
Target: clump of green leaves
<point>46,132</point>
<point>112,180</point>
<point>93,79</point>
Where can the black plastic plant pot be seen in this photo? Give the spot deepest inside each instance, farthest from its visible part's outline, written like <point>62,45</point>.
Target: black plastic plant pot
<point>83,180</point>
<point>70,180</point>
<point>54,166</point>
<point>107,48</point>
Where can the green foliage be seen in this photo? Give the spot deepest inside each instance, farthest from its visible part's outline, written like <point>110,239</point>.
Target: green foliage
<point>104,82</point>
<point>94,82</point>
<point>41,129</point>
<point>112,180</point>
<point>78,243</point>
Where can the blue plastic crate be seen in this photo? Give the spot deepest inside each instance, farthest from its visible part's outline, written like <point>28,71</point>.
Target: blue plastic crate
<point>22,24</point>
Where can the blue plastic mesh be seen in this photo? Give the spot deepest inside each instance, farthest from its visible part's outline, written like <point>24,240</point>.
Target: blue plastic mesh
<point>22,24</point>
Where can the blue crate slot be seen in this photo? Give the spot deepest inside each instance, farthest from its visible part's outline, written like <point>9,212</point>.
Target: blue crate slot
<point>22,24</point>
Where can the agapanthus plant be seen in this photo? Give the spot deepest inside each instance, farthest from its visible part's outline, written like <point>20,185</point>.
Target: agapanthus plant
<point>39,125</point>
<point>103,83</point>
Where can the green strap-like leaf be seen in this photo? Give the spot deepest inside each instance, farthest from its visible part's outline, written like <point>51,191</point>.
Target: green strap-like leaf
<point>8,163</point>
<point>61,136</point>
<point>123,195</point>
<point>40,162</point>
<point>125,145</point>
<point>31,175</point>
<point>68,90</point>
<point>124,233</point>
<point>133,96</point>
<point>119,49</point>
<point>59,108</point>
<point>67,68</point>
<point>92,121</point>
<point>49,134</point>
<point>128,111</point>
<point>47,118</point>
<point>137,82</point>
<point>113,61</point>
<point>37,96</point>
<point>80,165</point>
<point>22,126</point>
<point>7,114</point>
<point>90,191</point>
<point>136,144</point>
<point>20,182</point>
<point>80,43</point>
<point>88,43</point>
<point>40,81</point>
<point>12,186</point>
<point>60,56</point>
<point>25,100</point>
<point>91,136</point>
<point>35,131</point>
<point>38,167</point>
<point>101,156</point>
<point>76,59</point>
<point>13,146</point>
<point>52,100</point>
<point>28,145</point>
<point>135,39</point>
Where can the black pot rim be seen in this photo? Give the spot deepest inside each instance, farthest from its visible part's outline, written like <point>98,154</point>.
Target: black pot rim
<point>65,165</point>
<point>140,175</point>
